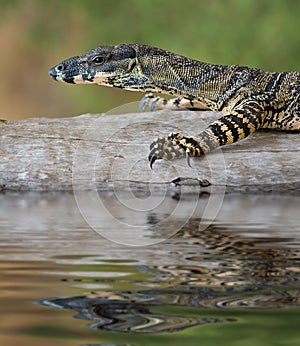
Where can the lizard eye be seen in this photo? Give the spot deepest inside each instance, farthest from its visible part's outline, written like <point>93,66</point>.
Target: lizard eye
<point>98,59</point>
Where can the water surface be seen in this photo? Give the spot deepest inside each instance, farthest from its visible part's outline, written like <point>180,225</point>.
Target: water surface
<point>158,271</point>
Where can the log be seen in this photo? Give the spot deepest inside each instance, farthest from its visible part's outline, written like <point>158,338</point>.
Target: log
<point>102,151</point>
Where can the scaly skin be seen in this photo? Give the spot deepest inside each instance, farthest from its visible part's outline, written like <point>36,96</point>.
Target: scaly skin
<point>248,98</point>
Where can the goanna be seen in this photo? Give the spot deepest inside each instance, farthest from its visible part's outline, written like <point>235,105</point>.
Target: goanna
<point>248,98</point>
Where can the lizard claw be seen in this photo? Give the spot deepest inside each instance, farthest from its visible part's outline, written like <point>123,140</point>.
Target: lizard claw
<point>175,146</point>
<point>152,159</point>
<point>155,152</point>
<point>153,104</point>
<point>143,104</point>
<point>188,158</point>
<point>166,149</point>
<point>146,101</point>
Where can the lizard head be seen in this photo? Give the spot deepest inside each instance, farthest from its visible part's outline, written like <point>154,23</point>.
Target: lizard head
<point>115,66</point>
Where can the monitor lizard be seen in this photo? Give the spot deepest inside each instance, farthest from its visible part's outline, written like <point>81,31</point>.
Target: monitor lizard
<point>248,98</point>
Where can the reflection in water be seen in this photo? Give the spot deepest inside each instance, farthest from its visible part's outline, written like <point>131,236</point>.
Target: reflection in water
<point>229,262</point>
<point>248,257</point>
<point>128,312</point>
<point>220,269</point>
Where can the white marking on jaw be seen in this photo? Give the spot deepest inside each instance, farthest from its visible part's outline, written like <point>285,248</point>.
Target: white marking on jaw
<point>58,77</point>
<point>79,80</point>
<point>98,79</point>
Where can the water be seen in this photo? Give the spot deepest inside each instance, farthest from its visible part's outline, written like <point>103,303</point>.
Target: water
<point>161,270</point>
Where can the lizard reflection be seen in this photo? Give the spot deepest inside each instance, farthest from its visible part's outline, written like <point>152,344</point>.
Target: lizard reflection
<point>218,268</point>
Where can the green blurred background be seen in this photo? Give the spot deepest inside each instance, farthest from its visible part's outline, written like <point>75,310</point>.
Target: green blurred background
<point>37,34</point>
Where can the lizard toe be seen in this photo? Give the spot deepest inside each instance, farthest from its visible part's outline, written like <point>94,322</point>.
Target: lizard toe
<point>152,159</point>
<point>166,149</point>
<point>145,101</point>
<point>150,101</point>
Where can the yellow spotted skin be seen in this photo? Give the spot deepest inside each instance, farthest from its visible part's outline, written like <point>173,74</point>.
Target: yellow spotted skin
<point>248,98</point>
<point>243,121</point>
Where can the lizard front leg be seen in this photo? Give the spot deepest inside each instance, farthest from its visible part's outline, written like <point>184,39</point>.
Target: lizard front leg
<point>177,103</point>
<point>244,120</point>
<point>177,146</point>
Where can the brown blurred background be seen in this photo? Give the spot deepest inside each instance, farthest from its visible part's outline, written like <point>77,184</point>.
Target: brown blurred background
<point>37,34</point>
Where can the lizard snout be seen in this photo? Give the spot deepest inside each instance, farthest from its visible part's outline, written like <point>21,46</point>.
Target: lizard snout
<point>55,71</point>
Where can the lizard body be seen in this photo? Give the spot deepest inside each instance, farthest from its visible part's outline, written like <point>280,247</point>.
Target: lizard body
<point>248,98</point>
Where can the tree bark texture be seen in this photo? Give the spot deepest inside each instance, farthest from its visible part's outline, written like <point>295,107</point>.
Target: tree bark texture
<point>101,151</point>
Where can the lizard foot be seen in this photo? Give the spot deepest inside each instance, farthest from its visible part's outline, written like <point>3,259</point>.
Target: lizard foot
<point>173,147</point>
<point>153,102</point>
<point>174,104</point>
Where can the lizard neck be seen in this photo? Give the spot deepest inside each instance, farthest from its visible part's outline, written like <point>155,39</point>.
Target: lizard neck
<point>177,75</point>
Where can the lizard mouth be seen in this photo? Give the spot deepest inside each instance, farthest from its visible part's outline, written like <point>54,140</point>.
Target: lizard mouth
<point>72,76</point>
<point>91,78</point>
<point>66,71</point>
<point>53,73</point>
<point>58,74</point>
